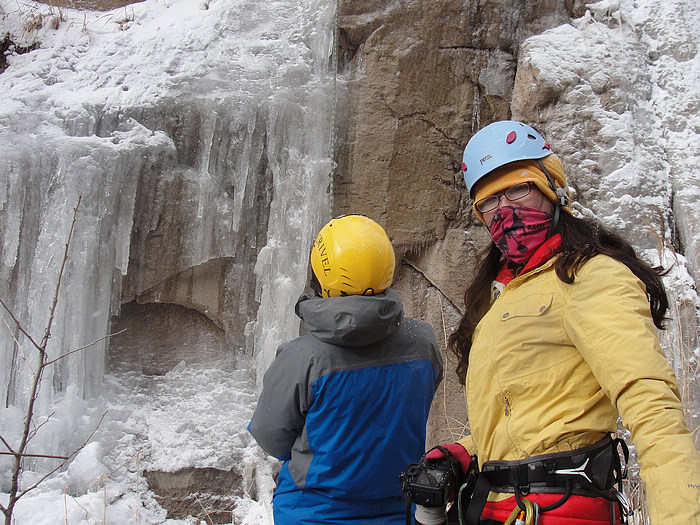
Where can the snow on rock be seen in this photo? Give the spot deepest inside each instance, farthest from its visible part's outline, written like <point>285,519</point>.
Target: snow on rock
<point>614,93</point>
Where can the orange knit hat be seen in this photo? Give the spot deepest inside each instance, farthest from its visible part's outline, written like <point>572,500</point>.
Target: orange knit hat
<point>522,171</point>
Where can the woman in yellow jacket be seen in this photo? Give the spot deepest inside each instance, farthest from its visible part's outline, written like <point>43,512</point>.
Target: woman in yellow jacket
<point>558,338</point>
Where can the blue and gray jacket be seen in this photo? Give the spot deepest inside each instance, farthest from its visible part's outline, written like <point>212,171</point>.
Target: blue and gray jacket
<point>345,407</point>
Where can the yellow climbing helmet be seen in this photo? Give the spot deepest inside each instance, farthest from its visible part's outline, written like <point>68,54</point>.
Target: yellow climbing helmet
<point>352,255</point>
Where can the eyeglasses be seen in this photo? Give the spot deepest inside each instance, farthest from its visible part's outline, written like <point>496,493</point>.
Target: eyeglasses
<point>514,193</point>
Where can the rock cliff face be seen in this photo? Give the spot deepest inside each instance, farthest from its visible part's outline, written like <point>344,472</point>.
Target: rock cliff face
<point>422,77</point>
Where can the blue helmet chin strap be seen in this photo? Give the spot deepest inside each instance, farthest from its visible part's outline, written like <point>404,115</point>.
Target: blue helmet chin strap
<point>562,198</point>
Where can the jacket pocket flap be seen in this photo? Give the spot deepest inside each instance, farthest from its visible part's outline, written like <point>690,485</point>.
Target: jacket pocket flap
<point>533,306</point>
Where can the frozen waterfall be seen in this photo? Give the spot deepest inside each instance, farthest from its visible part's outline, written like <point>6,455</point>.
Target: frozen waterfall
<point>198,135</point>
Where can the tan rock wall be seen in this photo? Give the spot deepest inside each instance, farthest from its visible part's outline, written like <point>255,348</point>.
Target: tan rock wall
<point>422,77</point>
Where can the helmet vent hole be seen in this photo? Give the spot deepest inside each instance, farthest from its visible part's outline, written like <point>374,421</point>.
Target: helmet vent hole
<point>532,137</point>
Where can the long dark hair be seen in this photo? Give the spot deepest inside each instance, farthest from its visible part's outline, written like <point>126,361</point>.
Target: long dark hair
<point>582,239</point>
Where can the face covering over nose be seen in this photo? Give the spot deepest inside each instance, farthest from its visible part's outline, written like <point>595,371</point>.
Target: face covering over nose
<point>518,232</point>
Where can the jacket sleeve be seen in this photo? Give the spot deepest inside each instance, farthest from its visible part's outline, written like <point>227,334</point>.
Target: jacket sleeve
<point>608,319</point>
<point>468,443</point>
<point>280,414</point>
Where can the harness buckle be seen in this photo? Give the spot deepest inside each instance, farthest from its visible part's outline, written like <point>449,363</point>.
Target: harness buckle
<point>522,479</point>
<point>549,465</point>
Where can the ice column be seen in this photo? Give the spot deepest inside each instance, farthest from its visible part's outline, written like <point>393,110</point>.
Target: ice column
<point>299,156</point>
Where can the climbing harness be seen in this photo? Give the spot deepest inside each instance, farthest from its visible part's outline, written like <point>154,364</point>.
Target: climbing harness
<point>593,471</point>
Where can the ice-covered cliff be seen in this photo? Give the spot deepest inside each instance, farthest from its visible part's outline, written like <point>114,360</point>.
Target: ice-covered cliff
<point>199,135</point>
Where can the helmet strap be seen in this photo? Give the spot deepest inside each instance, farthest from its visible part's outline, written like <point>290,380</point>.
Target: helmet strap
<point>562,197</point>
<point>315,285</point>
<point>555,221</point>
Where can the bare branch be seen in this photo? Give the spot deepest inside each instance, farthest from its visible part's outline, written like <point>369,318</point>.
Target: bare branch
<point>85,346</point>
<point>65,506</point>
<point>7,445</point>
<point>52,310</point>
<point>19,325</point>
<point>81,447</point>
<point>33,432</point>
<point>48,456</point>
<point>206,512</point>
<point>21,350</point>
<point>27,433</point>
<point>105,476</point>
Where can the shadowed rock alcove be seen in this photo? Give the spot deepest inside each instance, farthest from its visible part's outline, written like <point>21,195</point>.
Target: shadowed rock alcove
<point>159,336</point>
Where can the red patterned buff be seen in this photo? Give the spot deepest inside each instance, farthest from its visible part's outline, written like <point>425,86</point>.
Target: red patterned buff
<point>518,232</point>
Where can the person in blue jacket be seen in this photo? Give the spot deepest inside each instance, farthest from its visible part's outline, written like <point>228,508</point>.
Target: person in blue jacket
<point>345,406</point>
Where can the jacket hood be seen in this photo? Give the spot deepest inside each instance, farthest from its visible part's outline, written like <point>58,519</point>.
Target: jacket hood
<point>354,320</point>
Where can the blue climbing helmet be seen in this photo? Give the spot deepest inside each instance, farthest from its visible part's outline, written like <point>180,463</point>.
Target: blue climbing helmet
<point>498,144</point>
